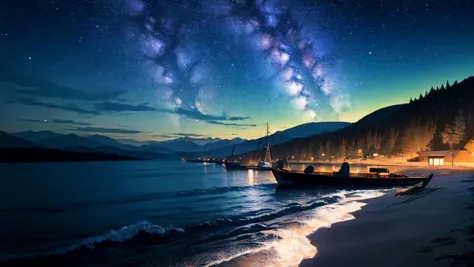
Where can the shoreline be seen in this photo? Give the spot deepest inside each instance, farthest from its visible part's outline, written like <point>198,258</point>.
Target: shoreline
<point>432,228</point>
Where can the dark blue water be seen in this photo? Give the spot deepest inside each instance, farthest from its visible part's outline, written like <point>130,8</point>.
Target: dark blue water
<point>158,213</point>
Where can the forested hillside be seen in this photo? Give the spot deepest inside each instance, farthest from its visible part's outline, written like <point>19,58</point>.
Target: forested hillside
<point>442,118</point>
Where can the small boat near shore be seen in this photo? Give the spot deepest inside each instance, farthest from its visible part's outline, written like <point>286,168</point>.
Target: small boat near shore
<point>373,179</point>
<point>239,166</point>
<point>265,164</point>
<point>212,160</point>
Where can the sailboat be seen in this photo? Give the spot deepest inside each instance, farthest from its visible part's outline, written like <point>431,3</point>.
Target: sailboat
<point>263,165</point>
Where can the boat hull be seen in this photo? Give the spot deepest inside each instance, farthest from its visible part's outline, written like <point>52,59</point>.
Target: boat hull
<point>286,178</point>
<point>203,161</point>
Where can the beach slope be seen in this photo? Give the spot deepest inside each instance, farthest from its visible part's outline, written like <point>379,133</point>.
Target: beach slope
<point>434,227</point>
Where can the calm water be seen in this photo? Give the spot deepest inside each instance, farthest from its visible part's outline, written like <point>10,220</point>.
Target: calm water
<point>159,213</point>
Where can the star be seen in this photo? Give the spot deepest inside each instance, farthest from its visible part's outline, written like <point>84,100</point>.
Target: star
<point>29,58</point>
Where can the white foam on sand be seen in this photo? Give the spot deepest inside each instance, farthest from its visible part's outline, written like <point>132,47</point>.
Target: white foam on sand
<point>294,245</point>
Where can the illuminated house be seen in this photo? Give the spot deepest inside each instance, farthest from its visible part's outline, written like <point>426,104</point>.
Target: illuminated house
<point>445,157</point>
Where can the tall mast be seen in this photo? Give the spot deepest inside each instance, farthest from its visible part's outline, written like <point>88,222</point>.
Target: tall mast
<point>268,157</point>
<point>268,134</point>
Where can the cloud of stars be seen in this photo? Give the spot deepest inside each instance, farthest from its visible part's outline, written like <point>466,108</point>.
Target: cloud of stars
<point>172,36</point>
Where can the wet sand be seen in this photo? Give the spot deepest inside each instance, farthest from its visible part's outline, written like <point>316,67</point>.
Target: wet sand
<point>434,227</point>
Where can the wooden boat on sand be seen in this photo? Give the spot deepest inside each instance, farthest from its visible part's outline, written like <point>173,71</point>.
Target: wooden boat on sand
<point>373,179</point>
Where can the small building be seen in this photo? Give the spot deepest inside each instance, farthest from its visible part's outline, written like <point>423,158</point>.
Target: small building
<point>444,157</point>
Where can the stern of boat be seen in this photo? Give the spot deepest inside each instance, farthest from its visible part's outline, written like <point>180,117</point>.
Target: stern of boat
<point>279,177</point>
<point>427,181</point>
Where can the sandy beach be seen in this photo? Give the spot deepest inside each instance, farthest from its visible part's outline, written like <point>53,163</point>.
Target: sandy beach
<point>432,228</point>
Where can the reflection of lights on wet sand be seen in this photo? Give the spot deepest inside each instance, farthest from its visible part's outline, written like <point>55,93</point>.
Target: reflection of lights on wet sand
<point>293,245</point>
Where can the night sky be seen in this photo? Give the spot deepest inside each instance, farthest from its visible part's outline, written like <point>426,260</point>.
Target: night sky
<point>160,69</point>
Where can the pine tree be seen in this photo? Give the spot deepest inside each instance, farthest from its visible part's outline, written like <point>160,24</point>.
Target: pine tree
<point>411,101</point>
<point>369,140</point>
<point>341,152</point>
<point>327,150</point>
<point>321,151</point>
<point>447,85</point>
<point>470,146</point>
<point>470,126</point>
<point>459,127</point>
<point>421,96</point>
<point>398,146</point>
<point>436,142</point>
<point>442,88</point>
<point>453,134</point>
<point>377,141</point>
<point>388,142</point>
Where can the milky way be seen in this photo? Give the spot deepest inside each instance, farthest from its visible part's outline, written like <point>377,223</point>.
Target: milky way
<point>176,48</point>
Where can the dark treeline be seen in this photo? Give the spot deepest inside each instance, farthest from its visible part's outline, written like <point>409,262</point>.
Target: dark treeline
<point>440,119</point>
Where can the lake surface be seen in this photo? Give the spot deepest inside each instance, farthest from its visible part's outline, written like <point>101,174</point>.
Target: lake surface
<point>159,213</point>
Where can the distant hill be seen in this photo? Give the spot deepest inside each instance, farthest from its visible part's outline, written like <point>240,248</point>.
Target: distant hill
<point>183,144</point>
<point>276,138</point>
<point>62,141</point>
<point>313,128</point>
<point>34,136</point>
<point>205,141</point>
<point>108,141</point>
<point>187,144</point>
<point>8,140</point>
<point>400,130</point>
<point>223,143</point>
<point>378,116</point>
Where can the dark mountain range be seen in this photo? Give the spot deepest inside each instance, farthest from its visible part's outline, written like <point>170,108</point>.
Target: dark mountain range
<point>183,144</point>
<point>63,141</point>
<point>442,118</point>
<point>223,143</point>
<point>48,139</point>
<point>8,140</point>
<point>276,138</point>
<point>34,136</point>
<point>187,144</point>
<point>176,148</point>
<point>205,141</point>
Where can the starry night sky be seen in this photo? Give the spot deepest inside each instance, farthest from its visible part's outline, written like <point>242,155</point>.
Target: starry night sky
<point>150,69</point>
